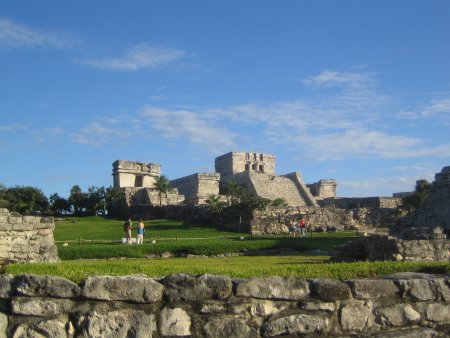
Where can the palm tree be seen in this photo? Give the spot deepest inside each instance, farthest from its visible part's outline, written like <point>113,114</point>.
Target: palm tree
<point>162,186</point>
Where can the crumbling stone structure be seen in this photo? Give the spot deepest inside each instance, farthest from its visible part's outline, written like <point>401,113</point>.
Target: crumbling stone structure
<point>197,187</point>
<point>420,236</point>
<point>26,238</point>
<point>128,174</point>
<point>399,305</point>
<point>323,189</point>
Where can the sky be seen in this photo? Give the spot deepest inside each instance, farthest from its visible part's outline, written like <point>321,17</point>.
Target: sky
<point>356,91</point>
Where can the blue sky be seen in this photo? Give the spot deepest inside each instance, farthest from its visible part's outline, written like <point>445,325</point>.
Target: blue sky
<point>358,91</point>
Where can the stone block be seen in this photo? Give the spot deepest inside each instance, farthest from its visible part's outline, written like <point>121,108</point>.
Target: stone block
<point>289,288</point>
<point>296,324</point>
<point>121,323</point>
<point>4,226</point>
<point>419,332</point>
<point>193,288</point>
<point>357,316</point>
<point>6,282</point>
<point>15,219</point>
<point>228,326</point>
<point>22,227</point>
<point>438,312</point>
<point>174,322</point>
<point>3,324</point>
<point>418,289</point>
<point>139,289</point>
<point>443,288</point>
<point>30,219</point>
<point>397,315</point>
<point>318,306</point>
<point>373,288</point>
<point>40,307</point>
<point>45,286</point>
<point>58,327</point>
<point>220,286</point>
<point>330,290</point>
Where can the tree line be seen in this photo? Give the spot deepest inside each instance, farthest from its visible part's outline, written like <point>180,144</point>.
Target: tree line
<point>28,200</point>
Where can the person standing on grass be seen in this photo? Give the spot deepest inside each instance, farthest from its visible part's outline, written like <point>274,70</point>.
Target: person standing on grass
<point>140,232</point>
<point>303,227</point>
<point>127,226</point>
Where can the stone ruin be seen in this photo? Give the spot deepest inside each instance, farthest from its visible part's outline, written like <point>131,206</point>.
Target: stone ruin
<point>254,171</point>
<point>419,236</point>
<point>26,238</point>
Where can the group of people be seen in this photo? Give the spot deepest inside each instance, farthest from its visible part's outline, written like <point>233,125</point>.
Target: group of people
<point>297,223</point>
<point>140,230</point>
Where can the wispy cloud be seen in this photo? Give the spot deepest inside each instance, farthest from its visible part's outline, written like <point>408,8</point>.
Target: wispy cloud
<point>437,109</point>
<point>15,35</point>
<point>332,77</point>
<point>12,127</point>
<point>100,133</point>
<point>47,133</point>
<point>190,126</point>
<point>138,57</point>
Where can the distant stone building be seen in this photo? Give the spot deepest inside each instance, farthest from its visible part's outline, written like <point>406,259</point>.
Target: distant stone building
<point>254,171</point>
<point>128,174</point>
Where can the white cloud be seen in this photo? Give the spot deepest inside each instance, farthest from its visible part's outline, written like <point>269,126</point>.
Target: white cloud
<point>138,57</point>
<point>331,77</point>
<point>47,133</point>
<point>99,133</point>
<point>190,127</point>
<point>12,127</point>
<point>17,35</point>
<point>437,109</point>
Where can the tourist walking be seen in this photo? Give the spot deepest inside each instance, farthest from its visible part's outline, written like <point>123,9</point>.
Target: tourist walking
<point>293,227</point>
<point>140,232</point>
<point>127,226</point>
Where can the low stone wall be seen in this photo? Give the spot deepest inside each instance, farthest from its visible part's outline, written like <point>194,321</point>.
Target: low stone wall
<point>401,305</point>
<point>26,238</point>
<point>388,248</point>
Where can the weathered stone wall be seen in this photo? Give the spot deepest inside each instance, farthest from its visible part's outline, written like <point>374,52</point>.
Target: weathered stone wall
<point>363,202</point>
<point>236,162</point>
<point>275,220</point>
<point>134,174</point>
<point>435,211</point>
<point>26,238</point>
<point>377,247</point>
<point>323,188</point>
<point>289,187</point>
<point>197,187</point>
<point>401,305</point>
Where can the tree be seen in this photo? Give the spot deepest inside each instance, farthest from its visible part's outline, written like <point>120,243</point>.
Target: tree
<point>162,186</point>
<point>420,194</point>
<point>96,200</point>
<point>26,200</point>
<point>113,196</point>
<point>215,206</point>
<point>235,193</point>
<point>58,204</point>
<point>78,200</point>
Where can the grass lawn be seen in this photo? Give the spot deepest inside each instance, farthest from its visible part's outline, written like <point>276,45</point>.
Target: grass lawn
<point>300,266</point>
<point>102,253</point>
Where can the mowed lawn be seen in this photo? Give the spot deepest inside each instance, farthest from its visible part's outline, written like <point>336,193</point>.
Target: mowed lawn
<point>100,252</point>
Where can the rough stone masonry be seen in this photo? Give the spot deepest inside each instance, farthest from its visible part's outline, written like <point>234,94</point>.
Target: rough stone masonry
<point>26,238</point>
<point>400,305</point>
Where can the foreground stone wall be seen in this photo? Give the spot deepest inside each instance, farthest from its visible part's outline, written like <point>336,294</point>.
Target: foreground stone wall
<point>401,305</point>
<point>26,238</point>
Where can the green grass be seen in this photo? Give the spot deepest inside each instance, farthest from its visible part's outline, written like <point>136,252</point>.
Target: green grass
<point>197,247</point>
<point>107,229</point>
<point>300,266</point>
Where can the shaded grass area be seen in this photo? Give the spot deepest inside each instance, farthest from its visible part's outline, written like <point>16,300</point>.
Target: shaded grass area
<point>238,267</point>
<point>197,247</point>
